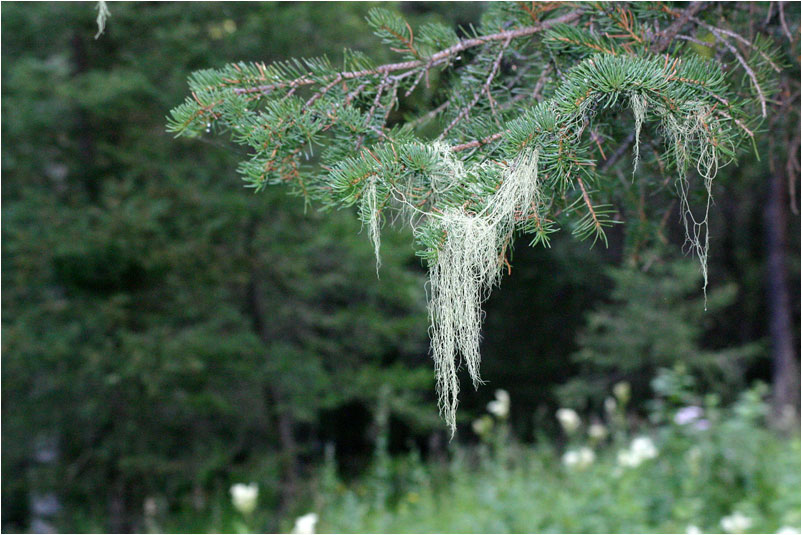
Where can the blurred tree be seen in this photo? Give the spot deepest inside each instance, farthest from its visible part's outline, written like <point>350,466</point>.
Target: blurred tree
<point>162,326</point>
<point>654,319</point>
<point>506,160</point>
<point>167,333</point>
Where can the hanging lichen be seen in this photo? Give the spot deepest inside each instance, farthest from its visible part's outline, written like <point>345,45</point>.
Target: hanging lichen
<point>370,205</point>
<point>467,267</point>
<point>638,105</point>
<point>507,159</point>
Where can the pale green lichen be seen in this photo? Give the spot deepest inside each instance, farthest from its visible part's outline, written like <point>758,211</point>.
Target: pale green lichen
<point>467,267</point>
<point>638,104</point>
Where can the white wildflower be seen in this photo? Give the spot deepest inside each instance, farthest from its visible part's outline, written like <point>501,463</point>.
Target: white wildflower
<point>579,459</point>
<point>305,525</point>
<point>569,419</point>
<point>500,407</point>
<point>571,458</point>
<point>586,457</point>
<point>610,406</point>
<point>597,432</point>
<point>244,497</point>
<point>787,530</point>
<point>737,522</point>
<point>622,391</point>
<point>483,425</point>
<point>626,459</point>
<point>692,530</point>
<point>644,448</point>
<point>641,449</point>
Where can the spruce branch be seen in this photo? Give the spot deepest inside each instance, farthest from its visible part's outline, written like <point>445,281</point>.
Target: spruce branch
<point>528,134</point>
<point>435,60</point>
<point>485,89</point>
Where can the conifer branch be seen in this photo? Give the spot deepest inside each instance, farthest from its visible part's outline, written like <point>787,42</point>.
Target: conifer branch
<point>716,30</point>
<point>467,200</point>
<point>435,60</point>
<point>746,67</point>
<point>665,37</point>
<point>484,89</point>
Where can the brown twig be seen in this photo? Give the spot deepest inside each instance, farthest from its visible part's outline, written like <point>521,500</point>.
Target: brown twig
<point>322,92</point>
<point>372,110</point>
<point>485,88</point>
<point>715,29</point>
<point>423,119</point>
<point>616,155</point>
<point>478,142</point>
<point>749,71</point>
<point>434,60</point>
<point>586,197</point>
<point>667,35</point>
<point>783,24</point>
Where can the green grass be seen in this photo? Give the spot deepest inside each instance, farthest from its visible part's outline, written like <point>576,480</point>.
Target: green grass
<point>698,477</point>
<point>726,461</point>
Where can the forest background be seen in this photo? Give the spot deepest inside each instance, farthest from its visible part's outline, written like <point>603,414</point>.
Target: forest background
<point>168,333</point>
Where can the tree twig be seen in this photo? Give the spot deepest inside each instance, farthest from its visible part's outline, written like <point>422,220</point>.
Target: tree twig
<point>746,67</point>
<point>716,29</point>
<point>434,60</point>
<point>667,35</point>
<point>485,88</point>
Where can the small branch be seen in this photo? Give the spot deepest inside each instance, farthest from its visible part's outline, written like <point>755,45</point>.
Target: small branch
<point>616,155</point>
<point>587,202</point>
<point>716,30</point>
<point>783,24</point>
<point>478,142</point>
<point>694,40</point>
<point>597,139</point>
<point>372,110</point>
<point>322,92</point>
<point>541,81</point>
<point>434,60</point>
<point>485,87</point>
<point>423,119</point>
<point>353,94</point>
<point>667,35</point>
<point>416,82</point>
<point>746,67</point>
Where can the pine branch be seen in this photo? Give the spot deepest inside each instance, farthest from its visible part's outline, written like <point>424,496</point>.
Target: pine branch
<point>665,37</point>
<point>435,60</point>
<point>484,89</point>
<point>512,168</point>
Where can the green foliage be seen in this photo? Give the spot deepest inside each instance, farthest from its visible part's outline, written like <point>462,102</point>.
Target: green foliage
<point>286,111</point>
<point>147,299</point>
<point>654,319</point>
<point>699,475</point>
<point>165,331</point>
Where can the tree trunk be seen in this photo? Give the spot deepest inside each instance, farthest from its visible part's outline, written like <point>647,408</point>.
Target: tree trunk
<point>85,137</point>
<point>285,416</point>
<point>117,510</point>
<point>784,358</point>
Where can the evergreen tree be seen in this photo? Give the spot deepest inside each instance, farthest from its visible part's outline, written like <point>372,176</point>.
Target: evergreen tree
<point>535,108</point>
<point>147,299</point>
<point>653,321</point>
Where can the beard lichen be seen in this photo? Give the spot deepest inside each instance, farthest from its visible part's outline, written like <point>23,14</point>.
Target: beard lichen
<point>638,104</point>
<point>467,267</point>
<point>372,213</point>
<point>698,126</point>
<point>467,262</point>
